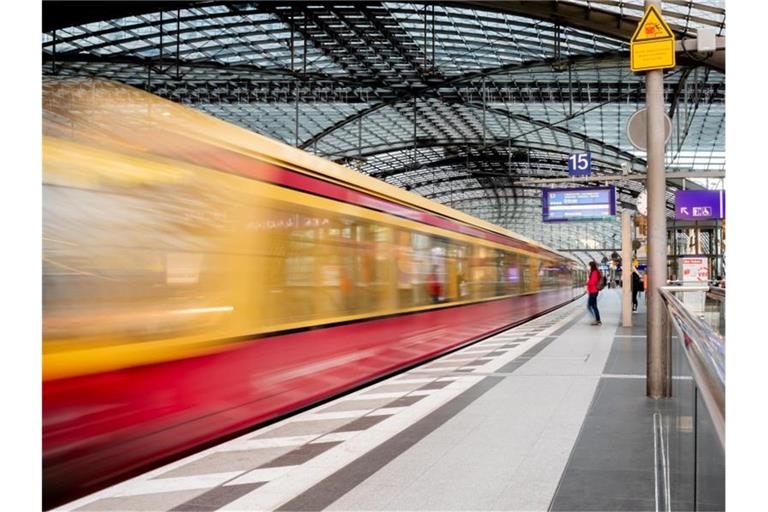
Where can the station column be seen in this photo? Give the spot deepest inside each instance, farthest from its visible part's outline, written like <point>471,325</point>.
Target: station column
<point>626,269</point>
<point>657,362</point>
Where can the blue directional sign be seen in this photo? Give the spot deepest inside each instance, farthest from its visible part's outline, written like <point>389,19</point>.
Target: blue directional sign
<point>699,204</point>
<point>580,164</point>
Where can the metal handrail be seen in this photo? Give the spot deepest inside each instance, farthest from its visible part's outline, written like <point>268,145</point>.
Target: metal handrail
<point>716,293</point>
<point>705,352</point>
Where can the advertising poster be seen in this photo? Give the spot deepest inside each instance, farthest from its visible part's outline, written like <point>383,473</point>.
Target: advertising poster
<point>695,271</point>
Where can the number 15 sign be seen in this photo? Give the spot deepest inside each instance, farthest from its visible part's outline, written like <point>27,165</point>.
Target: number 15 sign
<point>580,164</point>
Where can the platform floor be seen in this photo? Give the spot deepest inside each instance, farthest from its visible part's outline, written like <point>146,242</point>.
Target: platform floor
<point>550,415</point>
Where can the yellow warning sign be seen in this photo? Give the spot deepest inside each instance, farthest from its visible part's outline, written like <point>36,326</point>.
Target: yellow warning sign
<point>653,44</point>
<point>652,27</point>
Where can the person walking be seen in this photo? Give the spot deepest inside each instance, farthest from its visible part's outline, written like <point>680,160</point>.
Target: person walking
<point>593,284</point>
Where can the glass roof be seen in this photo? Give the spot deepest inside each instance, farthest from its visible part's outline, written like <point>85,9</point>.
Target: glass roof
<point>457,102</point>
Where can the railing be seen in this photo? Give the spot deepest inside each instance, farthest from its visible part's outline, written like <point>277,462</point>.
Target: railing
<point>690,426</point>
<point>716,293</point>
<point>704,350</point>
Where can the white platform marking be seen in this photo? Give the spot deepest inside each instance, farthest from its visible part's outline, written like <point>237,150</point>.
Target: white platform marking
<point>269,442</point>
<point>261,475</point>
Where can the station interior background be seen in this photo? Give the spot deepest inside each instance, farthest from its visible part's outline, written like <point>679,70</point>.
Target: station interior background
<point>746,186</point>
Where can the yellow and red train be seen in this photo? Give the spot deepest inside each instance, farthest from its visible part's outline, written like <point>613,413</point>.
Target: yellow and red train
<point>199,279</point>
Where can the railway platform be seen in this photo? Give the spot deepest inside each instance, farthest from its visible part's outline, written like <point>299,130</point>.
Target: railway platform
<point>548,415</point>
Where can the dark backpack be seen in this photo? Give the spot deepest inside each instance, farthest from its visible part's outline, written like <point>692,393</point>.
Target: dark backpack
<point>601,282</point>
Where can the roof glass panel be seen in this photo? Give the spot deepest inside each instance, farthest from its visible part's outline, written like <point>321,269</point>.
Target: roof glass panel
<point>501,94</point>
<point>683,15</point>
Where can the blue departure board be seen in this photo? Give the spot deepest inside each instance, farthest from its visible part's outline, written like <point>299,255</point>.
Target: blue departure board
<point>578,204</point>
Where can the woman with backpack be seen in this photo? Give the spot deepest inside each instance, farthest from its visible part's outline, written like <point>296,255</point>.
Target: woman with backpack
<point>593,287</point>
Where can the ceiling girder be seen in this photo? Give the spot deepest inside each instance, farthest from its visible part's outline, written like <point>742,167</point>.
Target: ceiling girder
<point>317,33</point>
<point>245,83</point>
<point>434,87</point>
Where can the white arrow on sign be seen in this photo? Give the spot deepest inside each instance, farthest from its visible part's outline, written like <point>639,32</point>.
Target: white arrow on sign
<point>684,210</point>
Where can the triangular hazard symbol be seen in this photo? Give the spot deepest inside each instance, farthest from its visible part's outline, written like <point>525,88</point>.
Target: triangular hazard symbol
<point>652,27</point>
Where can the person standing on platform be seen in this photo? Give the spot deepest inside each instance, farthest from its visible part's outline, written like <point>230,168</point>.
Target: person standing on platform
<point>593,284</point>
<point>637,286</point>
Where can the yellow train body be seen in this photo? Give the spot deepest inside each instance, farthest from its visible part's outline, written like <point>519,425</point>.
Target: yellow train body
<point>150,256</point>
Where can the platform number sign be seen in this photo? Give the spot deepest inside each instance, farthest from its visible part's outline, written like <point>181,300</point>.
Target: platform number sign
<point>580,164</point>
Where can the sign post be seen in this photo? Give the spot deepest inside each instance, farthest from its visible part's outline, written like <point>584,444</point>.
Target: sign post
<point>651,45</point>
<point>626,269</point>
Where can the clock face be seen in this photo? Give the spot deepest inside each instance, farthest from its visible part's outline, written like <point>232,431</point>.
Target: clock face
<point>642,202</point>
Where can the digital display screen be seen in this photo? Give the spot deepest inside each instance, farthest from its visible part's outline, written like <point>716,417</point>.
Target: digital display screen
<point>578,204</point>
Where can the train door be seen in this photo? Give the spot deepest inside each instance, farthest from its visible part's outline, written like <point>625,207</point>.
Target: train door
<point>382,268</point>
<point>404,268</point>
<point>534,267</point>
<point>484,273</point>
<point>457,265</point>
<point>500,273</point>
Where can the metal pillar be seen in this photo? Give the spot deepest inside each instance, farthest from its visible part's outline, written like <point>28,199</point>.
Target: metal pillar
<point>658,361</point>
<point>626,269</point>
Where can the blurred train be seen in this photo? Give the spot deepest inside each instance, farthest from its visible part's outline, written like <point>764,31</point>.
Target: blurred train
<point>199,279</point>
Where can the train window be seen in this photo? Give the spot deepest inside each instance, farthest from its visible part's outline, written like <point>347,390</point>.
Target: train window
<point>428,269</point>
<point>415,278</point>
<point>348,268</point>
<point>548,275</point>
<point>298,271</point>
